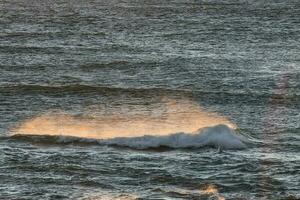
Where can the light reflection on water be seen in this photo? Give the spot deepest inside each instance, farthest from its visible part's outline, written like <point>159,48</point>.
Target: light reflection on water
<point>209,191</point>
<point>109,197</point>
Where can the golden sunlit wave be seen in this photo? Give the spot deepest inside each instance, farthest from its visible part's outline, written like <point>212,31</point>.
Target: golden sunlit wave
<point>209,191</point>
<point>169,116</point>
<point>212,190</point>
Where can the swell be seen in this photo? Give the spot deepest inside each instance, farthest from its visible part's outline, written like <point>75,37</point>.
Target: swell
<point>30,49</point>
<point>78,88</point>
<point>211,97</point>
<point>293,98</point>
<point>56,50</point>
<point>24,34</point>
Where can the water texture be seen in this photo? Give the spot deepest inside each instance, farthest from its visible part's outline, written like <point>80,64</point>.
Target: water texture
<point>110,99</point>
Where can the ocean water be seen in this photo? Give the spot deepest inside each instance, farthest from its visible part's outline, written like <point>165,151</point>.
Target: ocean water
<point>136,99</point>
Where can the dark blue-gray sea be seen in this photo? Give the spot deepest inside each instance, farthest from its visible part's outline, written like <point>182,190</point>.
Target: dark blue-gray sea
<point>149,99</point>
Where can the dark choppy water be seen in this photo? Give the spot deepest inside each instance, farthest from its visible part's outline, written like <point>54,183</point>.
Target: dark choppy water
<point>98,58</point>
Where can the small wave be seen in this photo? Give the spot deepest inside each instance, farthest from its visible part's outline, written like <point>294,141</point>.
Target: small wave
<point>118,63</point>
<point>212,95</point>
<point>32,49</point>
<point>220,136</point>
<point>81,88</point>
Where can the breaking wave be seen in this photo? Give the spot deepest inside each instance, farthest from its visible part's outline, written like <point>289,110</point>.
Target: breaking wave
<point>219,136</point>
<point>171,123</point>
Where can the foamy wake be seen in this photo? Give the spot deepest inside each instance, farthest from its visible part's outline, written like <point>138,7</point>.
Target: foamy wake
<point>220,136</point>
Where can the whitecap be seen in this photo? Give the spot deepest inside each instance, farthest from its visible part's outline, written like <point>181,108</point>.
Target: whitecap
<point>220,136</point>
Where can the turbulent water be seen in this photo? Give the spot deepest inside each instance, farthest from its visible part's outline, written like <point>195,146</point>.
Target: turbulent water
<point>136,99</point>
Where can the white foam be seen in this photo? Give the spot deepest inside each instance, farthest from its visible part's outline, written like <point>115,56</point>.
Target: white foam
<point>220,136</point>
